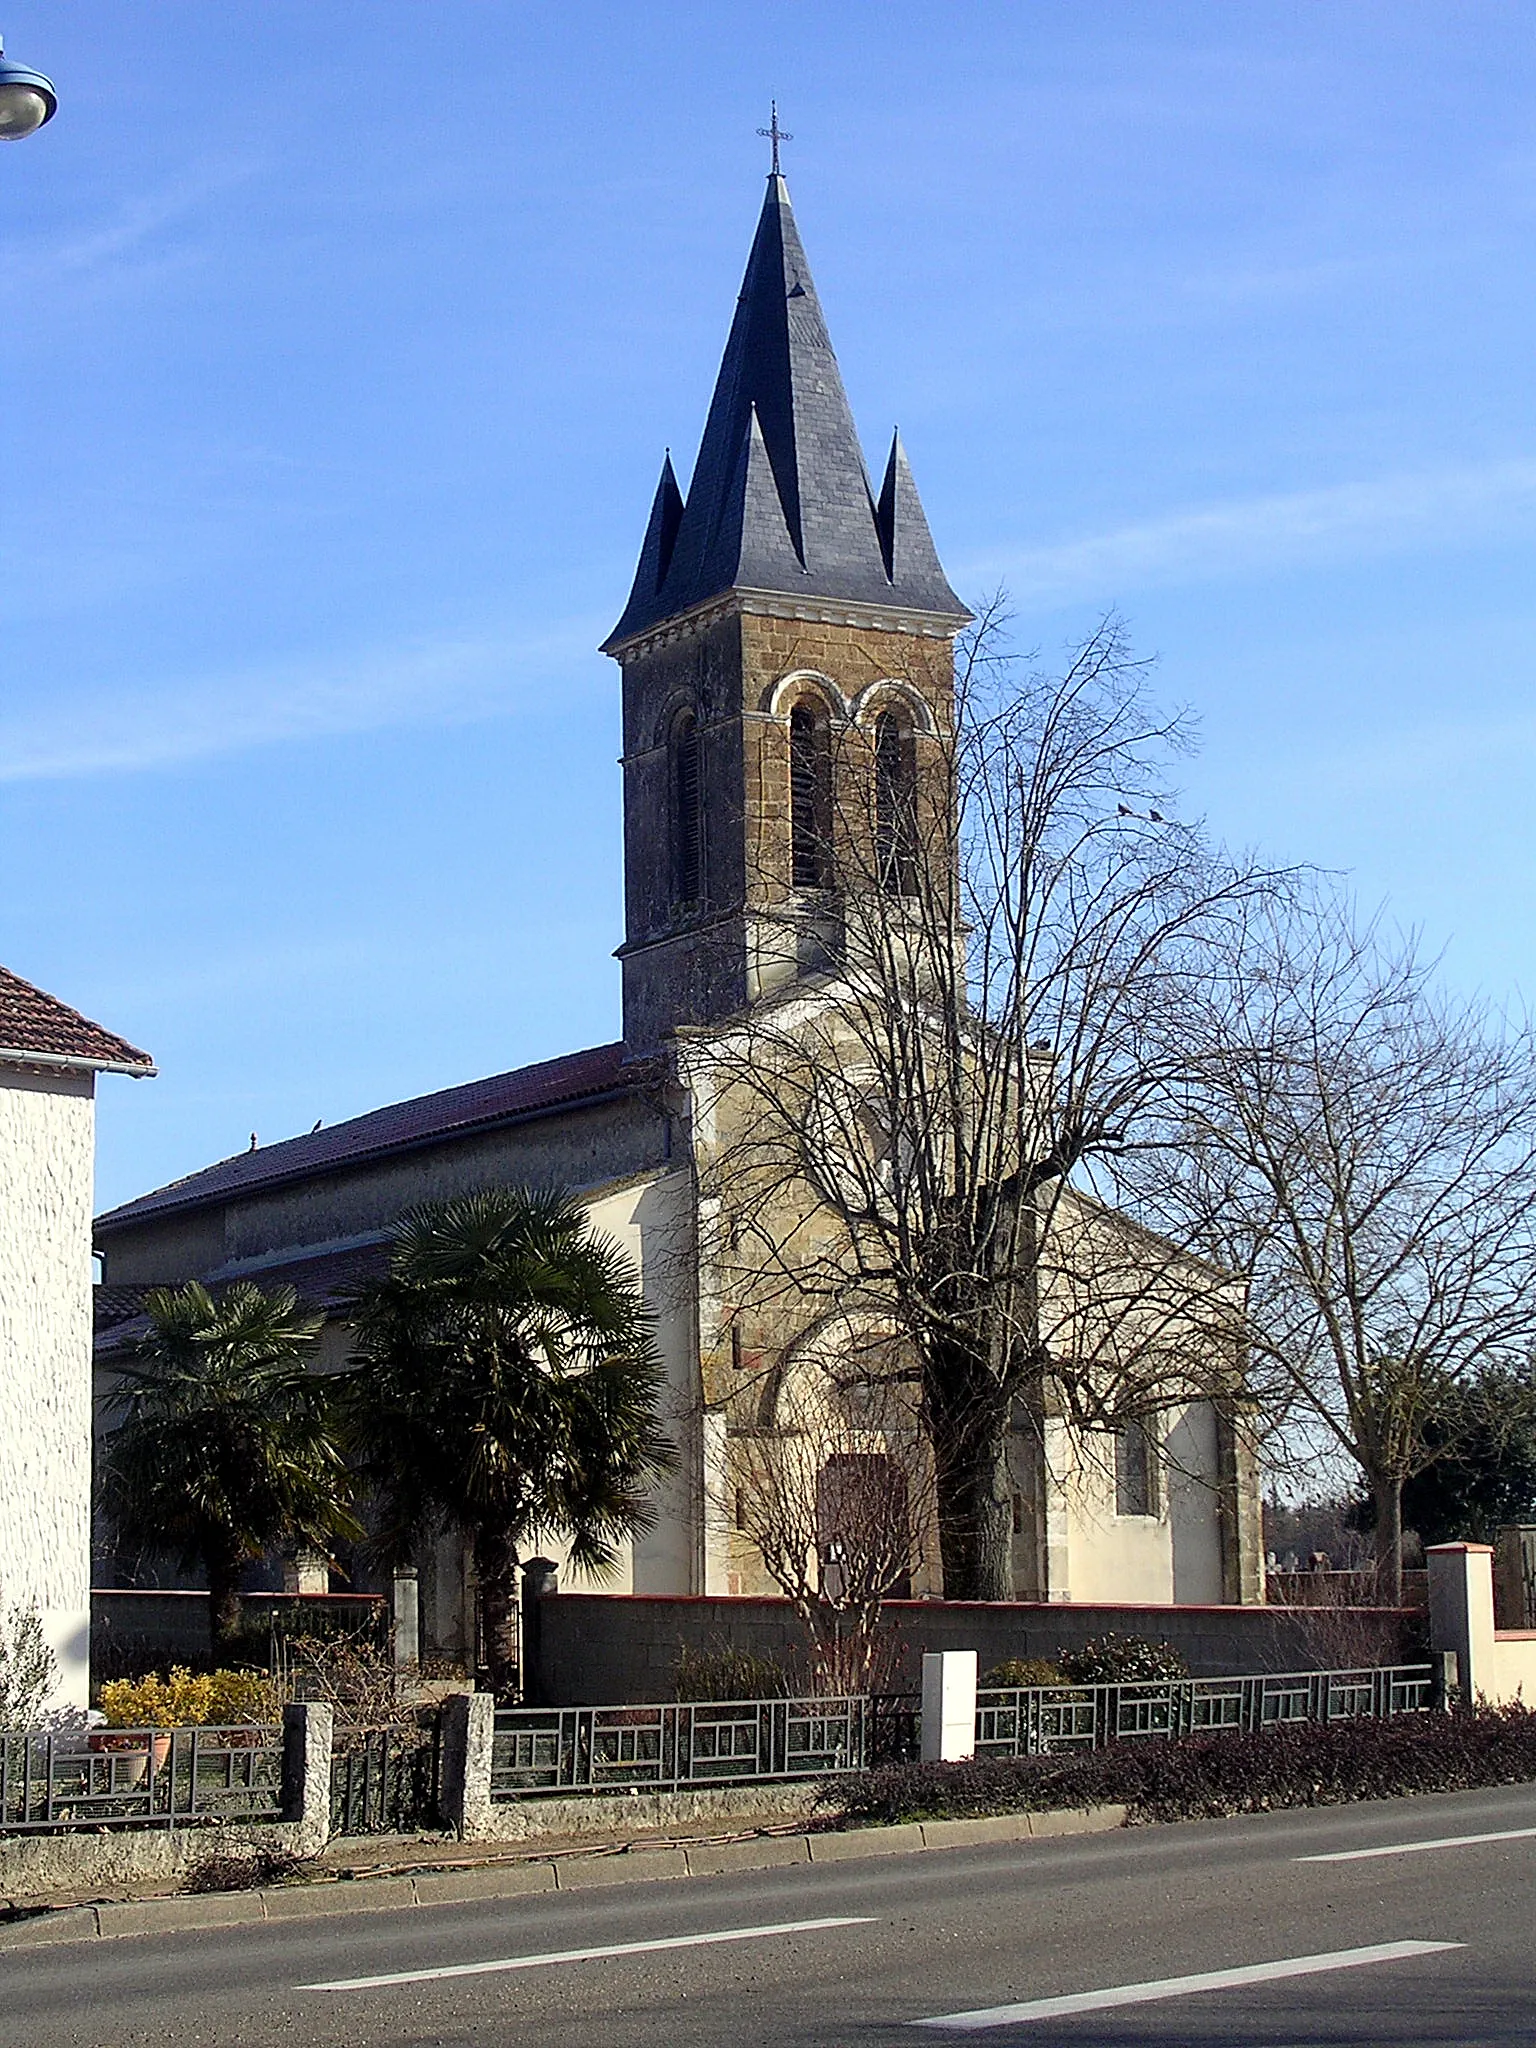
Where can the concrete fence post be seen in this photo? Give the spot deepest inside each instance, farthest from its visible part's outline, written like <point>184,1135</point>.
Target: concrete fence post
<point>1461,1612</point>
<point>949,1706</point>
<point>541,1580</point>
<point>405,1618</point>
<point>464,1785</point>
<point>308,1728</point>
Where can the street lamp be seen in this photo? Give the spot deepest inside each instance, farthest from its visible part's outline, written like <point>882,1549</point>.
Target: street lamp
<point>27,99</point>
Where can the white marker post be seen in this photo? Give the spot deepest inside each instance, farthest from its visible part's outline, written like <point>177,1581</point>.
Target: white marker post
<point>949,1707</point>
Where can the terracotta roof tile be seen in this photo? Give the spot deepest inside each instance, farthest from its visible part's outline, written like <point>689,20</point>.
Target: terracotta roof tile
<point>33,1022</point>
<point>451,1112</point>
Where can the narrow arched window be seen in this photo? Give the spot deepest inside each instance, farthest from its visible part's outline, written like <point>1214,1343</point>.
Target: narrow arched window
<point>895,803</point>
<point>810,797</point>
<point>687,812</point>
<point>1135,1469</point>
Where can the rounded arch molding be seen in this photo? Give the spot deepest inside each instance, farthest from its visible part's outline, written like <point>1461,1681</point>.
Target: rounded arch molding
<point>888,693</point>
<point>678,703</point>
<point>781,698</point>
<point>805,1377</point>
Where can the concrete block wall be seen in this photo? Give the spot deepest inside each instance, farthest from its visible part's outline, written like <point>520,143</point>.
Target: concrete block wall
<point>591,1650</point>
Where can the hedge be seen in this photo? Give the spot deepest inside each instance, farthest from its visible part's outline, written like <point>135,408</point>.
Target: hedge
<point>1206,1777</point>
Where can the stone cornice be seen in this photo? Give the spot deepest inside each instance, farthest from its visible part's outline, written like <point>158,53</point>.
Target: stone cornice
<point>820,611</point>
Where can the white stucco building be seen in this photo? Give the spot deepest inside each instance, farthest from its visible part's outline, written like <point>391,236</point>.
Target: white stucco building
<point>49,1059</point>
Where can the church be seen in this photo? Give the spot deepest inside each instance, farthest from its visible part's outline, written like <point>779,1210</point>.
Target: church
<point>782,598</point>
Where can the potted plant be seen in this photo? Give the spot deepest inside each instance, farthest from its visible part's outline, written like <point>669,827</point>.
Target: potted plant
<point>151,1707</point>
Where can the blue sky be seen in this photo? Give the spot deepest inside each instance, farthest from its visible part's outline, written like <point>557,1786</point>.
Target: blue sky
<point>341,342</point>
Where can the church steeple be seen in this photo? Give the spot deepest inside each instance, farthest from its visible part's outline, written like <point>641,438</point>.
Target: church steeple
<point>780,461</point>
<point>786,640</point>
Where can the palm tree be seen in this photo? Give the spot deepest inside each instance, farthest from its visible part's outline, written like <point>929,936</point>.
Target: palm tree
<point>506,1382</point>
<point>228,1446</point>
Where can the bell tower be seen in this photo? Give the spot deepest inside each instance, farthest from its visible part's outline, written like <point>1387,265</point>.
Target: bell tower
<point>777,609</point>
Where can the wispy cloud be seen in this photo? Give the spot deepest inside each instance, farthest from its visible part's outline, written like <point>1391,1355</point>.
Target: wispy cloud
<point>1251,536</point>
<point>144,233</point>
<point>161,725</point>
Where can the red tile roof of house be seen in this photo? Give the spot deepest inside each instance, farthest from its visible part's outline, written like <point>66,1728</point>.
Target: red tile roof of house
<point>38,1028</point>
<point>401,1127</point>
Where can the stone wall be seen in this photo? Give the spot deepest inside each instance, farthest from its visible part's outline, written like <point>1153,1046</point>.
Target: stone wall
<point>588,1650</point>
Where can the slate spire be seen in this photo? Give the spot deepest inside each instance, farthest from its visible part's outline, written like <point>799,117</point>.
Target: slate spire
<point>780,500</point>
<point>660,531</point>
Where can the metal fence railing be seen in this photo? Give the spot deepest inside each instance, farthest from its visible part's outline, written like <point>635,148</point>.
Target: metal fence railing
<point>698,1742</point>
<point>1046,1719</point>
<point>139,1777</point>
<point>384,1780</point>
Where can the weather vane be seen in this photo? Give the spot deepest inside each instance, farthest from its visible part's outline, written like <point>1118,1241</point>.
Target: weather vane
<point>775,133</point>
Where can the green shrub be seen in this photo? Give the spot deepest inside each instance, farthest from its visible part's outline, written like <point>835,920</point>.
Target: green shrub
<point>1120,1660</point>
<point>1209,1776</point>
<point>1023,1671</point>
<point>28,1667</point>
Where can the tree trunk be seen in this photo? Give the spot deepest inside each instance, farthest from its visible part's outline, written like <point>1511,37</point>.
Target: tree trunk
<point>967,1416</point>
<point>1388,1496</point>
<point>223,1572</point>
<point>496,1569</point>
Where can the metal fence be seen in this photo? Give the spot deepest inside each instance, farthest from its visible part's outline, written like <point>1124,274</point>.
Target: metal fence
<point>1046,1719</point>
<point>698,1742</point>
<point>138,1778</point>
<point>384,1781</point>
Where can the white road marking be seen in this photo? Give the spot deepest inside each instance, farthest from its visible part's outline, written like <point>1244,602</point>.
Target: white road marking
<point>1416,1848</point>
<point>589,1955</point>
<point>1183,1987</point>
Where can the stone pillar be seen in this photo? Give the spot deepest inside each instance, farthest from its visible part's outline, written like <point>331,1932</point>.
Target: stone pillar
<point>1461,1611</point>
<point>949,1706</point>
<point>468,1738</point>
<point>405,1612</point>
<point>307,1732</point>
<point>307,1571</point>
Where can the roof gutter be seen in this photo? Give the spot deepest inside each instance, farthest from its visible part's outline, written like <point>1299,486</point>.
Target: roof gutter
<point>139,1070</point>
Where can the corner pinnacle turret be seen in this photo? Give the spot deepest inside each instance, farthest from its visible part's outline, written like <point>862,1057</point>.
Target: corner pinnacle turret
<point>780,500</point>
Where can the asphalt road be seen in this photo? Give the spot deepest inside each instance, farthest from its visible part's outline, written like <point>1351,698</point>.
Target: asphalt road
<point>973,1939</point>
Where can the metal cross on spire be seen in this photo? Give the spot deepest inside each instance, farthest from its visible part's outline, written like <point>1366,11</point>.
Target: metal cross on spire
<point>775,134</point>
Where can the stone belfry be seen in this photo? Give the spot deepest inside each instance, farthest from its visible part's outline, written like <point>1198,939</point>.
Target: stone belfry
<point>778,609</point>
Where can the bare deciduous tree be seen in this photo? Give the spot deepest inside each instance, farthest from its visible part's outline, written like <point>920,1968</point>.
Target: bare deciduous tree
<point>1363,1147</point>
<point>833,1499</point>
<point>1013,931</point>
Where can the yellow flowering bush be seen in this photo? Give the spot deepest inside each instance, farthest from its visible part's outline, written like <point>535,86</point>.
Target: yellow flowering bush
<point>187,1699</point>
<point>244,1699</point>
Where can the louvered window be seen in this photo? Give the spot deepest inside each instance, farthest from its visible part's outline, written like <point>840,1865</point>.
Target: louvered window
<point>895,803</point>
<point>687,812</point>
<point>810,797</point>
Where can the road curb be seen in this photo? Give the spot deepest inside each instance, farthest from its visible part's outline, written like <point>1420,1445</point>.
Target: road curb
<point>190,1913</point>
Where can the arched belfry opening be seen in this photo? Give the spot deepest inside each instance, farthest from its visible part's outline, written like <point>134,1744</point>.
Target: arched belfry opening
<point>810,795</point>
<point>687,812</point>
<point>896,801</point>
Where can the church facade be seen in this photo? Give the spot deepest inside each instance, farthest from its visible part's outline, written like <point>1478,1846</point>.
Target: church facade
<point>781,603</point>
